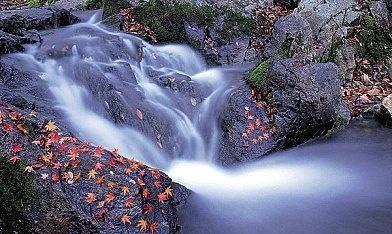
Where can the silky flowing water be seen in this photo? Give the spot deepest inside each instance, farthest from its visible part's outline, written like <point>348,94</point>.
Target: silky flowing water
<point>342,184</point>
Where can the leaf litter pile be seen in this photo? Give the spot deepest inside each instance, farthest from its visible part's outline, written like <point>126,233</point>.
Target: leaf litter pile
<point>114,189</point>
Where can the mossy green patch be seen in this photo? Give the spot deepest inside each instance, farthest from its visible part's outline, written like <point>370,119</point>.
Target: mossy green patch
<point>92,5</point>
<point>167,20</point>
<point>16,193</point>
<point>236,24</point>
<point>376,42</point>
<point>38,3</point>
<point>259,73</point>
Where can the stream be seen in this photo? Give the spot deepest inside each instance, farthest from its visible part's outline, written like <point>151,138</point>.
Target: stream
<point>342,184</point>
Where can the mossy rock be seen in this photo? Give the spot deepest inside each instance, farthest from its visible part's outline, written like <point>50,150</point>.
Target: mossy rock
<point>376,42</point>
<point>39,3</point>
<point>16,194</point>
<point>167,20</point>
<point>92,5</point>
<point>258,74</point>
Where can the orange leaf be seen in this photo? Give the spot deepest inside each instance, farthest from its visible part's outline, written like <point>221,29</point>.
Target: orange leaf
<point>146,193</point>
<point>162,197</point>
<point>129,202</point>
<point>142,225</point>
<point>125,219</point>
<point>100,180</point>
<point>110,197</point>
<point>125,190</point>
<point>98,152</point>
<point>90,198</point>
<point>21,128</point>
<point>111,184</point>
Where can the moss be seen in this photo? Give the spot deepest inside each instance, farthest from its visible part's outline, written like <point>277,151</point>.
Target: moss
<point>92,5</point>
<point>258,74</point>
<point>38,3</point>
<point>16,193</point>
<point>284,50</point>
<point>376,42</point>
<point>111,7</point>
<point>236,25</point>
<point>168,20</point>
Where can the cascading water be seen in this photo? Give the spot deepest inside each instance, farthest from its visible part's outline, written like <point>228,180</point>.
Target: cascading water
<point>284,194</point>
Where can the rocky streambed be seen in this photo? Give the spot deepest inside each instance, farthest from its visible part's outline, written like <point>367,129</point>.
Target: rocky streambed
<point>77,87</point>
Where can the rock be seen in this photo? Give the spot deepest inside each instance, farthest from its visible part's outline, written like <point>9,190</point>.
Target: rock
<point>9,43</point>
<point>319,30</point>
<point>299,102</point>
<point>380,13</point>
<point>62,185</point>
<point>384,112</point>
<point>14,21</point>
<point>18,27</point>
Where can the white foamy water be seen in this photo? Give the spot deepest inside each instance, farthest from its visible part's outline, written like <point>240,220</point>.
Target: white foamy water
<point>332,188</point>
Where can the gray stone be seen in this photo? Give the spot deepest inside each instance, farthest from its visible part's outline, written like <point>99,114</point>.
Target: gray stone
<point>305,102</point>
<point>384,112</point>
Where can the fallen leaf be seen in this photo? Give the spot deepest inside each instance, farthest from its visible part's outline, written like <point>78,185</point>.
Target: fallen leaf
<point>142,225</point>
<point>169,191</point>
<point>50,126</point>
<point>193,101</point>
<point>125,190</point>
<point>92,173</point>
<point>125,219</point>
<point>110,197</point>
<point>14,159</point>
<point>139,114</point>
<point>16,147</point>
<point>90,198</point>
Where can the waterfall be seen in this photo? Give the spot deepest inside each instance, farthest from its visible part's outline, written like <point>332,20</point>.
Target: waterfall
<point>90,69</point>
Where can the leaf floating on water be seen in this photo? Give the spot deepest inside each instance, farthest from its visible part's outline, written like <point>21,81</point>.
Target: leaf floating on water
<point>139,114</point>
<point>193,101</point>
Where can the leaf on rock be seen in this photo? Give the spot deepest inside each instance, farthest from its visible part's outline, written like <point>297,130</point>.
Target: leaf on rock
<point>142,225</point>
<point>51,126</point>
<point>126,219</point>
<point>90,198</point>
<point>139,114</point>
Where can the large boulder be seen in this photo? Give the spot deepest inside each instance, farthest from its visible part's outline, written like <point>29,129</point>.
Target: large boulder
<point>319,30</point>
<point>384,112</point>
<point>297,103</point>
<point>80,188</point>
<point>18,27</point>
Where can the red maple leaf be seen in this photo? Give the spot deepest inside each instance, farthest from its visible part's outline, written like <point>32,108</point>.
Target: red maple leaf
<point>146,193</point>
<point>129,202</point>
<point>153,228</point>
<point>98,152</point>
<point>16,147</point>
<point>8,128</point>
<point>148,208</point>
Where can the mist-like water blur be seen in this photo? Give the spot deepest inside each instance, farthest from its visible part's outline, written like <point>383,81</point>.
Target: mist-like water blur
<point>336,186</point>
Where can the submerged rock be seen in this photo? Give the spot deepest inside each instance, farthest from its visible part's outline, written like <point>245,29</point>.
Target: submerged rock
<point>298,103</point>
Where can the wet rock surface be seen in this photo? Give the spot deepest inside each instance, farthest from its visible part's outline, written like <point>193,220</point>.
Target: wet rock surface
<point>299,103</point>
<point>21,25</point>
<point>82,188</point>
